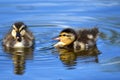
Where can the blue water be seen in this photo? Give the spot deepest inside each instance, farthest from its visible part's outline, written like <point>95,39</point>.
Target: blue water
<point>46,19</point>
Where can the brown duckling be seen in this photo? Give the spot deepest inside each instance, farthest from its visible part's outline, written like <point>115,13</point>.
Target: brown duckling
<point>77,40</point>
<point>18,36</point>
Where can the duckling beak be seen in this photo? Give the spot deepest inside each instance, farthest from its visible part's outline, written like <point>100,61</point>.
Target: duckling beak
<point>18,36</point>
<point>56,38</point>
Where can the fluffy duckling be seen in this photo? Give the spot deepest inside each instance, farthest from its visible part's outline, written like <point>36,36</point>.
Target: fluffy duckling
<point>18,36</point>
<point>77,40</point>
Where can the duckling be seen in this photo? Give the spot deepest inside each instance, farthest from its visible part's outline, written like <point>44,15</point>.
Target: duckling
<point>19,36</point>
<point>77,40</point>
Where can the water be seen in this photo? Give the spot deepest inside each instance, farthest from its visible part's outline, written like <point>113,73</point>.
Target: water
<point>46,19</point>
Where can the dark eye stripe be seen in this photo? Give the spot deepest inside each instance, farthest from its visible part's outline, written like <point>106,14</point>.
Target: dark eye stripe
<point>65,35</point>
<point>22,29</point>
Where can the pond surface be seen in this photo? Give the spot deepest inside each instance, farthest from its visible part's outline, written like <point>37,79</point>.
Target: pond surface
<point>46,19</point>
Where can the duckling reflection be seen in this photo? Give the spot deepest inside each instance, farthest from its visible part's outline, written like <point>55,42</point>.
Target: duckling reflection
<point>69,57</point>
<point>19,62</point>
<point>19,57</point>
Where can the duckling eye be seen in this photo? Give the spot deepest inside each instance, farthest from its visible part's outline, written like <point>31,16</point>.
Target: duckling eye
<point>64,35</point>
<point>21,29</point>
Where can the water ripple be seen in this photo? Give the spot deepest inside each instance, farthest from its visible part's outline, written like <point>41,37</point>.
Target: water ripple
<point>111,35</point>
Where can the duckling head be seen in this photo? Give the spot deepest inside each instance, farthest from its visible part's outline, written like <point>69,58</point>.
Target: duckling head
<point>66,37</point>
<point>18,31</point>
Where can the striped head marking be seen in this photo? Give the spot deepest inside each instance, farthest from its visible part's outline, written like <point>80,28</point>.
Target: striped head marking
<point>18,31</point>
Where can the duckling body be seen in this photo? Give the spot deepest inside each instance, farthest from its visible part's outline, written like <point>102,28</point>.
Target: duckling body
<point>86,39</point>
<point>77,40</point>
<point>18,36</point>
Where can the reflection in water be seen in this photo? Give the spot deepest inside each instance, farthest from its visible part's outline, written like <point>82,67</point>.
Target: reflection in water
<point>19,55</point>
<point>19,62</point>
<point>68,57</point>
